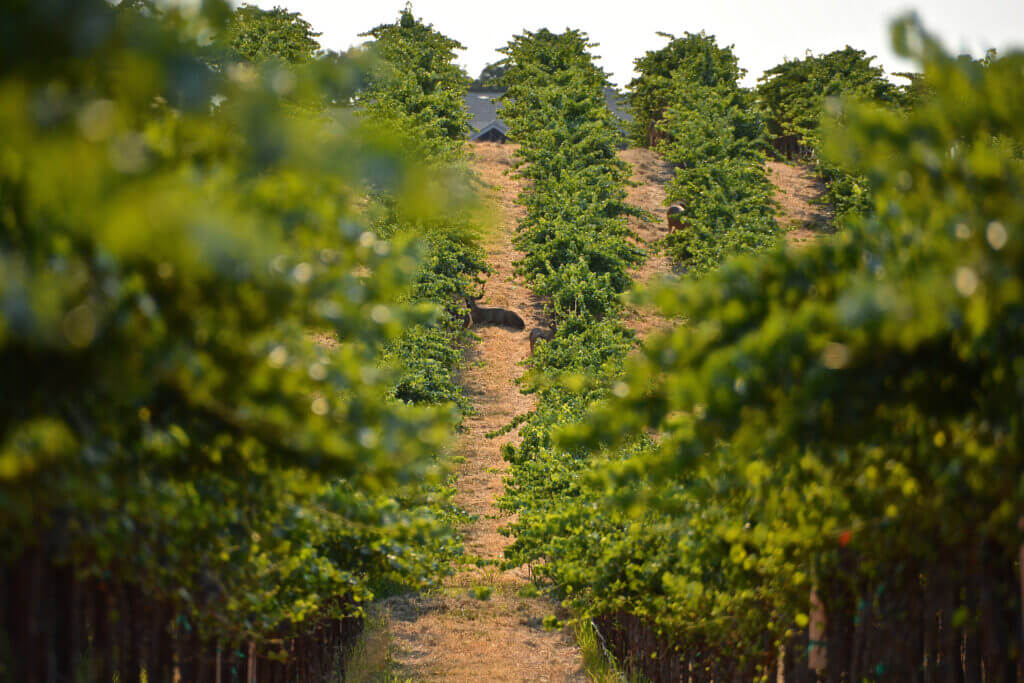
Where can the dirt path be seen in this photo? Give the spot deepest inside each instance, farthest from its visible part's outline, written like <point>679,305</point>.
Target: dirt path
<point>796,188</point>
<point>651,172</point>
<point>450,635</point>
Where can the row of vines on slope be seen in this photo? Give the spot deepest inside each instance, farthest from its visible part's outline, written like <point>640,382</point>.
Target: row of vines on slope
<point>577,253</point>
<point>190,486</point>
<point>416,95</point>
<point>839,474</point>
<point>688,105</point>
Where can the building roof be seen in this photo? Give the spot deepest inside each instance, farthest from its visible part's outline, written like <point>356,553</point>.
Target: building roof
<point>486,112</point>
<point>616,102</point>
<point>497,125</point>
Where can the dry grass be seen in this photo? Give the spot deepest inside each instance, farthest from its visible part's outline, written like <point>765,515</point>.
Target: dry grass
<point>796,190</point>
<point>651,173</point>
<point>369,660</point>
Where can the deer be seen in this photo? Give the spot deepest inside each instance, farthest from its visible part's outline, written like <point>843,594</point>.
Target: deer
<point>675,218</point>
<point>538,333</point>
<point>501,316</point>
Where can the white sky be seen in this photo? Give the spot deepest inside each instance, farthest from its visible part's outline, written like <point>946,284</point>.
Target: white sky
<point>763,32</point>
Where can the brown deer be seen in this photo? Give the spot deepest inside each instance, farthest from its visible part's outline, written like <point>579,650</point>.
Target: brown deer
<point>538,333</point>
<point>500,316</point>
<point>675,218</point>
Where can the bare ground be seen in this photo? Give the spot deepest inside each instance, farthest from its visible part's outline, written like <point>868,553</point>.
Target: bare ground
<point>651,173</point>
<point>450,635</point>
<point>796,188</point>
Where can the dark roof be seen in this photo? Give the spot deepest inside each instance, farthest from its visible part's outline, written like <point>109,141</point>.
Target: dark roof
<point>485,110</point>
<point>496,124</point>
<point>616,102</point>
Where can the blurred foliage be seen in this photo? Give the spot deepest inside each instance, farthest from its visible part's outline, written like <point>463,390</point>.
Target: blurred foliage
<point>170,232</point>
<point>916,91</point>
<point>861,395</point>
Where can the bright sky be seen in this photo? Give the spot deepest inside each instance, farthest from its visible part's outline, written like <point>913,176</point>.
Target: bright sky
<point>763,32</point>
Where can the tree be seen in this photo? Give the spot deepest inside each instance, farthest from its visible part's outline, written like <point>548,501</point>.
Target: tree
<point>418,87</point>
<point>794,92</point>
<point>695,58</point>
<point>491,77</point>
<point>258,35</point>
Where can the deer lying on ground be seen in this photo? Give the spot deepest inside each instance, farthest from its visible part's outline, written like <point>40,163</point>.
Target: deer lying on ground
<point>500,316</point>
<point>538,333</point>
<point>675,218</point>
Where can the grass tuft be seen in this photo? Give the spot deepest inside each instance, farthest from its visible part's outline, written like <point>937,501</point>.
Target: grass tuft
<point>600,664</point>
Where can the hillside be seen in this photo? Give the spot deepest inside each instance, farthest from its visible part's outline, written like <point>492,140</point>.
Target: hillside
<point>304,379</point>
<point>451,635</point>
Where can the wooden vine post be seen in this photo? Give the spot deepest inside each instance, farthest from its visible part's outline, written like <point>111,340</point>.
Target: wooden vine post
<point>817,653</point>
